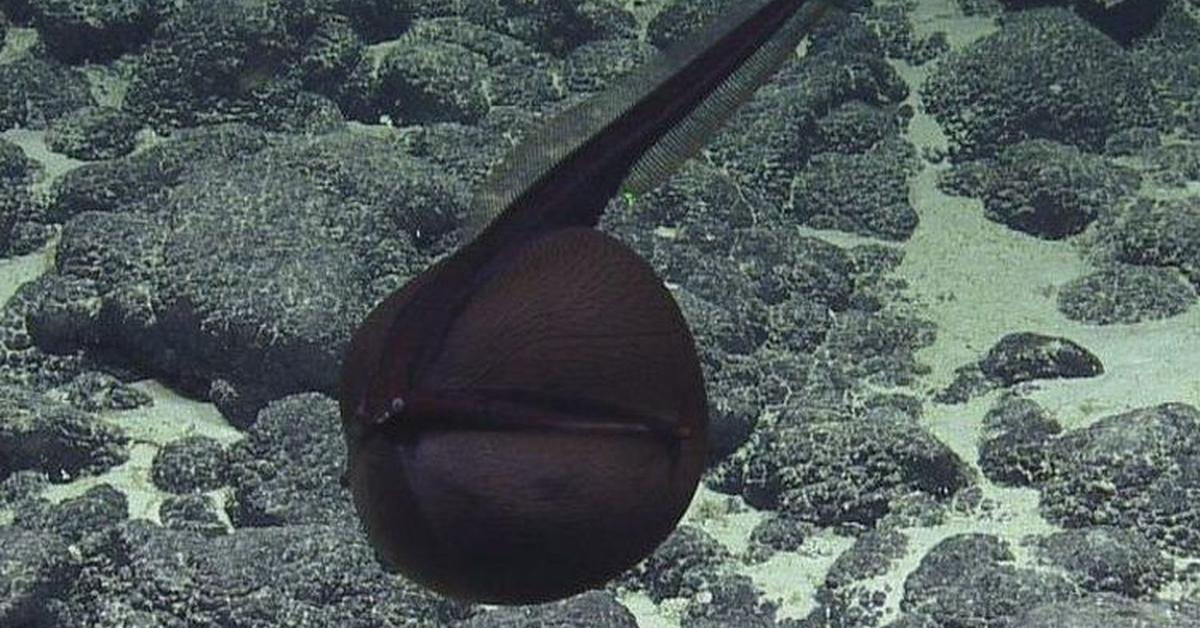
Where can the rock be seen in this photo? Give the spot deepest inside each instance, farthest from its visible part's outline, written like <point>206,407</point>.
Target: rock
<point>38,92</point>
<point>1108,559</point>
<point>95,30</point>
<point>93,133</point>
<point>548,25</point>
<point>1014,447</point>
<point>246,279</point>
<point>730,600</point>
<point>777,533</point>
<point>1138,470</point>
<point>306,576</point>
<point>1125,294</point>
<point>223,60</point>
<point>865,194</point>
<point>286,471</point>
<point>191,513</point>
<point>596,65</point>
<point>16,172</point>
<point>1045,74</point>
<point>40,434</point>
<point>970,579</point>
<point>1158,233</point>
<point>1111,611</point>
<point>848,592</point>
<point>35,568</point>
<point>688,562</point>
<point>75,518</point>
<point>1021,357</point>
<point>190,464</point>
<point>594,608</point>
<point>1052,190</point>
<point>846,471</point>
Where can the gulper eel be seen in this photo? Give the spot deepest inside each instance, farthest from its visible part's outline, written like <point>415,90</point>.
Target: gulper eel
<point>527,418</point>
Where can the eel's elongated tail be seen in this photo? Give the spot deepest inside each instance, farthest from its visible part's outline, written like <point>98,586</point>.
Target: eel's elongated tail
<point>636,133</point>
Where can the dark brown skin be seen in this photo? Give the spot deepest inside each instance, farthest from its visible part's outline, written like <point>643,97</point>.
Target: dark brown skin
<point>527,418</point>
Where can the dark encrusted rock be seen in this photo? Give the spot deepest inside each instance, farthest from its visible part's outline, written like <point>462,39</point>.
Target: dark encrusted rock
<point>866,194</point>
<point>678,20</point>
<point>559,27</point>
<point>448,69</point>
<point>1170,58</point>
<point>94,391</point>
<point>1111,611</point>
<point>286,470</point>
<point>737,328</point>
<point>1014,447</point>
<point>465,152</point>
<point>21,486</point>
<point>1045,74</point>
<point>729,600</point>
<point>15,167</point>
<point>191,513</point>
<point>1125,294</point>
<point>1052,190</point>
<point>330,54</point>
<point>22,363</point>
<point>856,127</point>
<point>595,65</point>
<point>1123,20</point>
<point>94,30</point>
<point>1021,357</point>
<point>777,533</point>
<point>374,20</point>
<point>878,347</point>
<point>773,136</point>
<point>430,81</point>
<point>1107,559</point>
<point>1158,233</point>
<point>914,621</point>
<point>594,608</point>
<point>16,172</point>
<point>253,269</point>
<point>37,91</point>
<point>922,510</point>
<point>35,567</point>
<point>733,412</point>
<point>39,433</point>
<point>552,26</point>
<point>769,138</point>
<point>970,580</point>
<point>1132,141</point>
<point>893,24</point>
<point>142,180</point>
<point>75,518</point>
<point>306,576</point>
<point>1174,165</point>
<point>93,133</point>
<point>687,562</point>
<point>1139,470</point>
<point>841,471</point>
<point>190,464</point>
<point>222,60</point>
<point>1025,356</point>
<point>847,593</point>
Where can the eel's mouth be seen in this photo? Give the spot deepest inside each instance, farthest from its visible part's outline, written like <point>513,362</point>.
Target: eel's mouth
<point>504,410</point>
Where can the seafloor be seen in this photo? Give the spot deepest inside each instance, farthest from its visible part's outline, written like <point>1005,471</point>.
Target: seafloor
<point>942,272</point>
